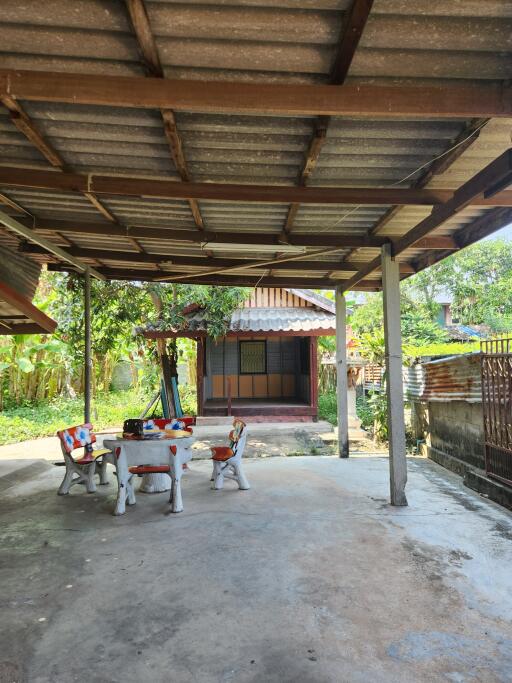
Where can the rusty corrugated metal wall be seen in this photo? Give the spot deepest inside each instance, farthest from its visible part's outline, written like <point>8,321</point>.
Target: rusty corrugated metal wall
<point>456,378</point>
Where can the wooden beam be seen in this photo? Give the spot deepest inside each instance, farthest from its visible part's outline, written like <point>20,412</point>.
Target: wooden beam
<point>22,328</point>
<point>196,261</point>
<point>481,227</point>
<point>12,204</point>
<point>146,42</point>
<point>495,175</point>
<point>315,238</point>
<point>201,334</point>
<point>461,143</point>
<point>354,24</point>
<point>225,280</point>
<point>351,33</point>
<point>27,308</point>
<point>428,101</point>
<point>29,234</point>
<point>136,187</point>
<point>151,59</point>
<point>23,123</point>
<point>257,264</point>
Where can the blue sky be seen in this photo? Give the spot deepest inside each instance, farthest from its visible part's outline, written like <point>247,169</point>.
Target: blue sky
<point>504,233</point>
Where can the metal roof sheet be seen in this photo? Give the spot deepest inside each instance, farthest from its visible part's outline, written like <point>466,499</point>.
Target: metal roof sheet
<point>271,320</point>
<point>270,41</point>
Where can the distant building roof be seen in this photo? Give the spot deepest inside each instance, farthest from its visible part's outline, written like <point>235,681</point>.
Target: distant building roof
<point>465,332</point>
<point>271,320</point>
<point>314,298</point>
<point>316,316</point>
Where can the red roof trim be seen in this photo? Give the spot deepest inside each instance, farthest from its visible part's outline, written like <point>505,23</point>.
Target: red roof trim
<point>43,324</point>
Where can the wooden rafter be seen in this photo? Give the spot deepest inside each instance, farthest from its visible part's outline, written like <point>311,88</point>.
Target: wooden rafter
<point>495,175</point>
<point>26,126</point>
<point>28,234</point>
<point>353,30</point>
<point>353,27</point>
<point>428,101</point>
<point>35,317</point>
<point>151,59</point>
<point>98,184</point>
<point>458,146</point>
<point>7,201</point>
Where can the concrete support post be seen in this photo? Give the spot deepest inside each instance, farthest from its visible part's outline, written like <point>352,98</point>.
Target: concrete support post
<point>88,346</point>
<point>394,384</point>
<point>341,373</point>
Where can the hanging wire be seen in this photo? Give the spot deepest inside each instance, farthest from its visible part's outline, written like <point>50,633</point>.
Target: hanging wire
<point>409,175</point>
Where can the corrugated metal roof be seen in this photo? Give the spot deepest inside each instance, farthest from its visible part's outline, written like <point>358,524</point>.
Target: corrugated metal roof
<point>270,320</point>
<point>270,41</point>
<point>457,378</point>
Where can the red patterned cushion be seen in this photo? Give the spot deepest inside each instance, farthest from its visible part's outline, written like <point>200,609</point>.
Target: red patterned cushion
<point>222,453</point>
<point>76,437</point>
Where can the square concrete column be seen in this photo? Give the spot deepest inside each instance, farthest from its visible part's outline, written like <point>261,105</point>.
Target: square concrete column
<point>394,384</point>
<point>341,373</point>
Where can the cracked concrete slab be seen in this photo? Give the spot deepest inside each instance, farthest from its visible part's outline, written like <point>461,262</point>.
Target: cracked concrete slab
<point>309,577</point>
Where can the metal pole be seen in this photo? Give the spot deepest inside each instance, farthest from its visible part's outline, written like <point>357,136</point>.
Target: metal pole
<point>87,340</point>
<point>341,373</point>
<point>394,384</point>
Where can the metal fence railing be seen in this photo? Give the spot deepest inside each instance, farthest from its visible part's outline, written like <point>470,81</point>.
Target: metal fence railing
<point>496,364</point>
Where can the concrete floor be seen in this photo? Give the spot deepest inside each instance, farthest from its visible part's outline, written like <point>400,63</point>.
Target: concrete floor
<point>308,577</point>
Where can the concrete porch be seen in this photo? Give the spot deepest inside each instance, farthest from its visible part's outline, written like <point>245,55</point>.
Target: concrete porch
<point>308,577</point>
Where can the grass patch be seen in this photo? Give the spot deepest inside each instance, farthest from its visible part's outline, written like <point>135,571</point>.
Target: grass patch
<point>327,407</point>
<point>36,420</point>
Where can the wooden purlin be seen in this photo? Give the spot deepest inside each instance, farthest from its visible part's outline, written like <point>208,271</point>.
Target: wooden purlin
<point>495,174</point>
<point>349,40</point>
<point>27,127</point>
<point>458,146</point>
<point>149,52</point>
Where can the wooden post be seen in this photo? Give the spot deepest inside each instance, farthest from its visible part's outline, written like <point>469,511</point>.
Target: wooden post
<point>88,346</point>
<point>341,373</point>
<point>313,375</point>
<point>200,375</point>
<point>394,384</point>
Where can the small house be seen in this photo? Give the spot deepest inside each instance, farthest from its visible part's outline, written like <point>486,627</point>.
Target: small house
<point>266,365</point>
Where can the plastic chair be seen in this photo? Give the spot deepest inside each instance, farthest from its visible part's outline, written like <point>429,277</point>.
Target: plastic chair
<point>81,470</point>
<point>227,460</point>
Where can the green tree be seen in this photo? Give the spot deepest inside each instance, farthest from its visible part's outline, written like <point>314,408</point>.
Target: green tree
<point>417,320</point>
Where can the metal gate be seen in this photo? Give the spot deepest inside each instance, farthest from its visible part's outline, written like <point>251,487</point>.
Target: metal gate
<point>496,359</point>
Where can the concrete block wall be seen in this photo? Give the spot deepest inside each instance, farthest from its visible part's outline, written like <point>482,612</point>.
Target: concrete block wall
<point>450,428</point>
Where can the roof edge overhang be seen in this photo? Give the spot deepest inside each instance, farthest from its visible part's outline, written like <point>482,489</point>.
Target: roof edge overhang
<point>201,334</point>
<point>35,322</point>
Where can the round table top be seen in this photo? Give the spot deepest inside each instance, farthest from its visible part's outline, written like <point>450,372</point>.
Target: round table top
<point>120,441</point>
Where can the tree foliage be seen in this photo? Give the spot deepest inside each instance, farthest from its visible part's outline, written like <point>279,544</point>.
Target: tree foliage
<point>479,280</point>
<point>417,320</point>
<point>39,366</point>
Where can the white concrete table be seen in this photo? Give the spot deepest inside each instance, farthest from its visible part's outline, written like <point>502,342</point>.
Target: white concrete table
<point>149,452</point>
